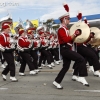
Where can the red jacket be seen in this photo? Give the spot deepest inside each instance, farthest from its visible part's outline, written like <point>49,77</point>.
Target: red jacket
<point>63,35</point>
<point>4,40</point>
<point>23,42</point>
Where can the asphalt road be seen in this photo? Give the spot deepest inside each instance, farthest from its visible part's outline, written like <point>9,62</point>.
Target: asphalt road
<point>40,87</point>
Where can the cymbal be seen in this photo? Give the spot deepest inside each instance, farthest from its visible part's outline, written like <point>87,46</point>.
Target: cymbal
<point>95,42</point>
<point>96,31</point>
<point>85,31</point>
<point>96,39</point>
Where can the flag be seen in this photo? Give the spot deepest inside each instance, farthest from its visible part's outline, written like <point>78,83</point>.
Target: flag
<point>35,23</point>
<point>12,30</point>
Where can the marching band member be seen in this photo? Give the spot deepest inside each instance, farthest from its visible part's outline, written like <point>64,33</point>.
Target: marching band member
<point>23,46</point>
<point>54,50</point>
<point>36,46</point>
<point>89,54</point>
<point>7,51</point>
<point>44,46</point>
<point>91,69</point>
<point>2,60</point>
<point>65,42</point>
<point>50,38</point>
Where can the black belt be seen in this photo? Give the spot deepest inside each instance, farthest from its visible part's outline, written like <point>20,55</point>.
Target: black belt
<point>65,45</point>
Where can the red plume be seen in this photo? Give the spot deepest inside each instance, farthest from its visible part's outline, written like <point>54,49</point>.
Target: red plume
<point>79,16</point>
<point>88,24</point>
<point>66,7</point>
<point>85,20</point>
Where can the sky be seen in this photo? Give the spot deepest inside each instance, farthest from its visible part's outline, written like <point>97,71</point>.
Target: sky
<point>46,9</point>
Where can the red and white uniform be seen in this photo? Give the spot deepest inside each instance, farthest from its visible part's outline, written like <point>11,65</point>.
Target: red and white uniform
<point>44,42</point>
<point>36,43</point>
<point>23,43</point>
<point>51,43</point>
<point>4,41</point>
<point>55,45</point>
<point>63,36</point>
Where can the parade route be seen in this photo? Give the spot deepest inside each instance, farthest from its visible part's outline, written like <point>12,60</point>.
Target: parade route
<point>40,87</point>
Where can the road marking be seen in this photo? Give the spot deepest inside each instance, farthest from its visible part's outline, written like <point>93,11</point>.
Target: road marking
<point>3,88</point>
<point>87,90</point>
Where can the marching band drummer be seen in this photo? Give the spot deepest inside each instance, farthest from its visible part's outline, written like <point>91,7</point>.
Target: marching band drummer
<point>7,51</point>
<point>65,41</point>
<point>24,45</point>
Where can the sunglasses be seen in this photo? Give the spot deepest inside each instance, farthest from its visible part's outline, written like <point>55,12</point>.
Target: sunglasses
<point>68,18</point>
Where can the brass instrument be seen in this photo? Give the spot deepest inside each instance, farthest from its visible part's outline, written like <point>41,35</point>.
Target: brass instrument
<point>17,27</point>
<point>28,24</point>
<point>7,20</point>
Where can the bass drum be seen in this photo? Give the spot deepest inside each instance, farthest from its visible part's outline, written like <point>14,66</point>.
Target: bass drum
<point>85,32</point>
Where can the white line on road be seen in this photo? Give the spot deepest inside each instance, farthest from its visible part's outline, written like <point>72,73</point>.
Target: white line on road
<point>87,90</point>
<point>3,88</point>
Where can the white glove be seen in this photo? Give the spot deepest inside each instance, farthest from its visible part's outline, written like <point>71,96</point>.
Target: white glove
<point>2,48</point>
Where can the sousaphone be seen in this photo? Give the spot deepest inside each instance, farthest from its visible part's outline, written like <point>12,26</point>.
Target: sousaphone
<point>84,29</point>
<point>17,27</point>
<point>28,24</point>
<point>96,40</point>
<point>7,19</point>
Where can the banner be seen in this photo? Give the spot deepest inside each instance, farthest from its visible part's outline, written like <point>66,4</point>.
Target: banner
<point>34,22</point>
